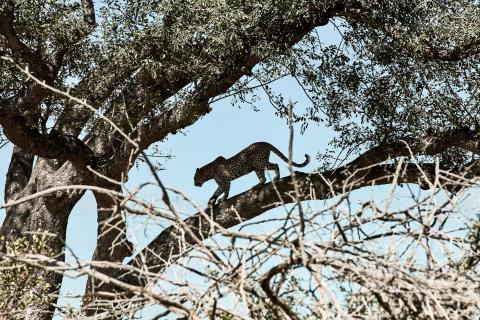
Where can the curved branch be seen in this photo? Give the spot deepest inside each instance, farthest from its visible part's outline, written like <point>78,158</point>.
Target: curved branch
<point>463,138</point>
<point>197,106</point>
<point>18,128</point>
<point>170,244</point>
<point>265,284</point>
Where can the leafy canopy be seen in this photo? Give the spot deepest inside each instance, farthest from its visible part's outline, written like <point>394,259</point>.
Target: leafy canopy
<point>395,75</point>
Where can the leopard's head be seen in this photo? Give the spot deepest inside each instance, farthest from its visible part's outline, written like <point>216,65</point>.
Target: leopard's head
<point>200,177</point>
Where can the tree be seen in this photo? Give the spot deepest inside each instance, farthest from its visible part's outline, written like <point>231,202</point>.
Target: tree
<point>88,87</point>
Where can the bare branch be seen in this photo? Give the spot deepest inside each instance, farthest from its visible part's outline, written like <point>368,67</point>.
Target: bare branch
<point>463,138</point>
<point>265,283</point>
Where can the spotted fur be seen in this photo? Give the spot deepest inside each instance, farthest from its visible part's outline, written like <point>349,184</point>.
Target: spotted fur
<point>252,158</point>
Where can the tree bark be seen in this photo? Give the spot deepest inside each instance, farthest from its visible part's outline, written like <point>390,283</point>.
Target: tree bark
<point>47,214</point>
<point>19,172</point>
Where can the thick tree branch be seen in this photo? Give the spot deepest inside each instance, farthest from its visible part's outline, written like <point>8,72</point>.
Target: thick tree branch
<point>123,109</point>
<point>19,118</point>
<point>463,138</point>
<point>170,244</point>
<point>185,115</point>
<point>197,105</point>
<point>19,129</point>
<point>325,185</point>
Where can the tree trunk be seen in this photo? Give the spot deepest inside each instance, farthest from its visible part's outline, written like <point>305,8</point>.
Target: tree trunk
<point>48,214</point>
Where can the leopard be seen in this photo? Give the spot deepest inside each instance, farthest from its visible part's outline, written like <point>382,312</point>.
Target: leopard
<point>255,157</point>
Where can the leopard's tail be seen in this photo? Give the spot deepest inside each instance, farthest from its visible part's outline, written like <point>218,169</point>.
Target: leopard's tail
<point>282,156</point>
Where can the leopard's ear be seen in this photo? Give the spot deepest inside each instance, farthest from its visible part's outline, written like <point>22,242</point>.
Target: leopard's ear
<point>196,170</point>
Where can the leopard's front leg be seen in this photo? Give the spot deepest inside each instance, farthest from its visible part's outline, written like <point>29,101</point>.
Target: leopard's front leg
<point>223,187</point>
<point>215,195</point>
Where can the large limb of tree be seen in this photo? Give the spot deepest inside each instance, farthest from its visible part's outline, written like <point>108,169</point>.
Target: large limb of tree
<point>366,170</point>
<point>19,128</point>
<point>172,242</point>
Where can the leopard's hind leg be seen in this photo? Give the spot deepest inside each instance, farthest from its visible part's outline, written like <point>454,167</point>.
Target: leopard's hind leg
<point>274,167</point>
<point>261,176</point>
